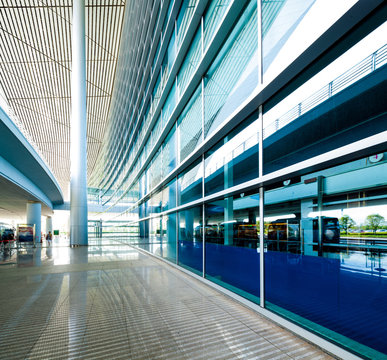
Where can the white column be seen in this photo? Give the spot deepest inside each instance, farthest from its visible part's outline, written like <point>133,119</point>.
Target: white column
<point>48,224</point>
<point>78,182</point>
<point>34,214</point>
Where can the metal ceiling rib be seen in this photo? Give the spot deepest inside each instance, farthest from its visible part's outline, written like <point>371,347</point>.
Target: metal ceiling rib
<point>35,73</point>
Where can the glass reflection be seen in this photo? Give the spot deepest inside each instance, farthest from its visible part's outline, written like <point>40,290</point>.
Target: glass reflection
<point>326,250</point>
<point>234,159</point>
<point>231,238</point>
<point>190,183</point>
<point>190,244</point>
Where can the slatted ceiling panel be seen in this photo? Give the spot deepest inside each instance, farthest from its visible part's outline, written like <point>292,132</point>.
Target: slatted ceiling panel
<point>35,72</point>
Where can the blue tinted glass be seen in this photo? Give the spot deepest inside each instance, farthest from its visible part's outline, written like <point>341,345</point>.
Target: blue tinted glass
<point>231,238</point>
<point>333,257</point>
<point>190,63</point>
<point>183,19</point>
<point>234,159</point>
<point>170,152</point>
<point>190,125</point>
<point>155,203</point>
<point>169,105</point>
<point>190,250</point>
<point>234,73</point>
<point>169,196</point>
<point>169,240</point>
<point>212,18</point>
<point>190,184</point>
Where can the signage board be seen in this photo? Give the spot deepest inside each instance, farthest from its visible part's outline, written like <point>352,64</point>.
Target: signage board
<point>25,233</point>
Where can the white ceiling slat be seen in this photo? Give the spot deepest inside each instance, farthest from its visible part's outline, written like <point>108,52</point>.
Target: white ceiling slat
<point>35,71</point>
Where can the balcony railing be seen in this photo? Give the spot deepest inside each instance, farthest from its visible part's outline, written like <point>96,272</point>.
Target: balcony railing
<point>360,70</point>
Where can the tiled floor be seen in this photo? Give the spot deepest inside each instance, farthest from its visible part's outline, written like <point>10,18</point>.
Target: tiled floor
<point>113,302</point>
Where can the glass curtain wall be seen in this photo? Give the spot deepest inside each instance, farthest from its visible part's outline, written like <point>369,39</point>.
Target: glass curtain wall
<point>325,259</point>
<point>190,242</point>
<point>234,73</point>
<point>197,203</point>
<point>231,231</point>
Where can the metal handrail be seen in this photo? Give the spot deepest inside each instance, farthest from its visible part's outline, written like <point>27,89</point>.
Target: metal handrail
<point>355,73</point>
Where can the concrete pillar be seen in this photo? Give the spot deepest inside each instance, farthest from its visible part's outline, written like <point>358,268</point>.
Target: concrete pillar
<point>78,182</point>
<point>34,214</point>
<point>48,224</point>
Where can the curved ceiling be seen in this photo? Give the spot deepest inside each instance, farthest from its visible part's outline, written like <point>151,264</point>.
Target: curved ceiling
<point>35,73</point>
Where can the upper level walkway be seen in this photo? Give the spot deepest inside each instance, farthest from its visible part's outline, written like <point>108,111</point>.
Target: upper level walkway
<point>110,301</point>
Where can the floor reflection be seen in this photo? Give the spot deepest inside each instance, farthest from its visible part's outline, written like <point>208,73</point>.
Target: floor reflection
<point>59,254</point>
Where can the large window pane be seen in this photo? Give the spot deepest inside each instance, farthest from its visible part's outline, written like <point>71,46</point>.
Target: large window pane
<point>234,159</point>
<point>190,183</point>
<point>169,152</point>
<point>169,105</point>
<point>287,29</point>
<point>341,104</point>
<point>326,236</point>
<point>190,239</point>
<point>155,203</point>
<point>231,238</point>
<point>234,73</point>
<point>183,19</point>
<point>212,18</point>
<point>190,125</point>
<point>169,240</point>
<point>190,63</point>
<point>169,196</point>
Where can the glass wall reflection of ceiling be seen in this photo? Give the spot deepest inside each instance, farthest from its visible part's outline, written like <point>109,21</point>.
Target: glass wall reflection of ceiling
<point>35,73</point>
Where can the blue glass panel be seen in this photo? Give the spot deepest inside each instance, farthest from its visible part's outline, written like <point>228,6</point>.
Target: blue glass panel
<point>190,125</point>
<point>169,237</point>
<point>234,159</point>
<point>169,196</point>
<point>234,73</point>
<point>170,152</point>
<point>190,63</point>
<point>169,105</point>
<point>231,239</point>
<point>190,183</point>
<point>325,265</point>
<point>212,18</point>
<point>190,245</point>
<point>183,19</point>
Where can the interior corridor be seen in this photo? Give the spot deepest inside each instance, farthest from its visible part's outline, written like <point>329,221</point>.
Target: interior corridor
<point>110,301</point>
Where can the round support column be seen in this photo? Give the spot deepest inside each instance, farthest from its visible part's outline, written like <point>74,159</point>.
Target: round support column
<point>78,182</point>
<point>48,224</point>
<point>34,217</point>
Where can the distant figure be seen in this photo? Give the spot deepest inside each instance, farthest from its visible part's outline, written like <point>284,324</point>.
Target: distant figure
<point>49,238</point>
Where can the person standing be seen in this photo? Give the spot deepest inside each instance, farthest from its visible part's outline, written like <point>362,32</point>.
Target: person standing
<point>49,238</point>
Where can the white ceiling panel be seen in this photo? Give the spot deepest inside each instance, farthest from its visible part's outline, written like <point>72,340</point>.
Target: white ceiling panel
<point>35,73</point>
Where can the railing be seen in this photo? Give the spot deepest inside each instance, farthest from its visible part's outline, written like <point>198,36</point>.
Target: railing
<point>360,70</point>
<point>240,148</point>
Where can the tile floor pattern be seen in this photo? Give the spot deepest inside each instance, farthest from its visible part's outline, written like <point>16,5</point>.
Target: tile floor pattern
<point>117,303</point>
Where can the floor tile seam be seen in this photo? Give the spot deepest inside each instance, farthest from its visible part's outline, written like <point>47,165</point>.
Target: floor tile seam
<point>309,353</point>
<point>188,282</point>
<point>122,305</point>
<point>265,319</point>
<point>45,324</point>
<point>87,315</point>
<point>178,274</point>
<point>210,327</point>
<point>194,344</point>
